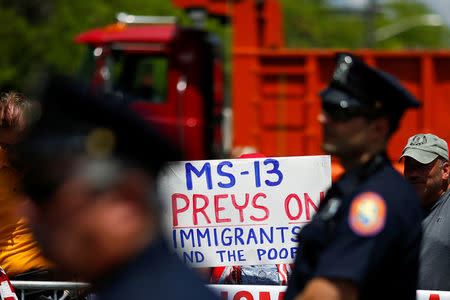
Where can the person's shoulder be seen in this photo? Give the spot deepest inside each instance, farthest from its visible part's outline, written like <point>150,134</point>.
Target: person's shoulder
<point>445,200</point>
<point>389,182</point>
<point>157,274</point>
<point>398,194</point>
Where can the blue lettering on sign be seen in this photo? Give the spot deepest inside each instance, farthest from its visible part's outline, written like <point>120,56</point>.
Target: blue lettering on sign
<point>238,236</point>
<point>200,236</point>
<point>230,179</point>
<point>188,236</point>
<point>228,238</point>
<point>199,257</point>
<point>191,169</point>
<point>293,252</point>
<point>216,240</point>
<point>275,170</point>
<point>276,164</point>
<point>231,255</point>
<point>193,256</point>
<point>263,233</point>
<point>225,174</point>
<point>260,253</point>
<point>257,174</point>
<point>252,235</point>
<point>174,237</point>
<point>295,232</point>
<point>284,253</point>
<point>221,252</point>
<point>241,255</point>
<point>282,229</point>
<point>272,254</point>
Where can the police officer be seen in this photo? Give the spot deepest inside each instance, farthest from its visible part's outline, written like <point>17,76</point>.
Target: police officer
<point>363,243</point>
<point>90,169</point>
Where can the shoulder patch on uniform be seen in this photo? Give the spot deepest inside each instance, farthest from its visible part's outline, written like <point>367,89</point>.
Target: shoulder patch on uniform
<point>367,215</point>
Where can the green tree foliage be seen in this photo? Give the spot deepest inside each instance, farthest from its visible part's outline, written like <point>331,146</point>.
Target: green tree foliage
<point>408,15</point>
<point>316,24</point>
<point>38,33</point>
<point>313,24</point>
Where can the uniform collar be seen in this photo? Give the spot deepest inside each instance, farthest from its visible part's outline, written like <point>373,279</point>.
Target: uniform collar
<point>351,179</point>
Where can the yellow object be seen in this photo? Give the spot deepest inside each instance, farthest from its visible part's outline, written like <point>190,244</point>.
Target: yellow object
<point>18,250</point>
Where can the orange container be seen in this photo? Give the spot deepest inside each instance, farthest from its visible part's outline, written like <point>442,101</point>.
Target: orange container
<point>275,96</point>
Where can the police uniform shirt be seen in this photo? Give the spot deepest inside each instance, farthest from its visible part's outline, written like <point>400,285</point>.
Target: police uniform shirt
<point>435,250</point>
<point>156,273</point>
<point>368,231</point>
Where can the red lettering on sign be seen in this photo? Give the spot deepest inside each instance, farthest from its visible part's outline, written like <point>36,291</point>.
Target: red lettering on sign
<point>201,209</point>
<point>281,295</point>
<point>218,208</point>
<point>264,296</point>
<point>309,202</point>
<point>240,208</point>
<point>434,297</point>
<point>175,209</point>
<point>243,294</point>
<point>224,295</point>
<point>265,209</point>
<point>287,209</point>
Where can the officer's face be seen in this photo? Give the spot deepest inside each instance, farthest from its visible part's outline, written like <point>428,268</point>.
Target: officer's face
<point>83,230</point>
<point>344,138</point>
<point>429,180</point>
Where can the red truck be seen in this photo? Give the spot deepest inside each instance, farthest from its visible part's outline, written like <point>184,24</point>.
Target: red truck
<point>173,76</point>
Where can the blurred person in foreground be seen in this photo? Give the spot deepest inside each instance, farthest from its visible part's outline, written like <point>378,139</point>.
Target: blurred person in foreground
<point>90,169</point>
<point>20,256</point>
<point>363,243</point>
<point>427,168</point>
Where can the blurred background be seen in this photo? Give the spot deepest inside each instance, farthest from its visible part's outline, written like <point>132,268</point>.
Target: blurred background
<point>41,32</point>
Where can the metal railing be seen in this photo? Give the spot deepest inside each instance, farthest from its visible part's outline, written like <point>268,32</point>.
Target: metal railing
<point>21,287</point>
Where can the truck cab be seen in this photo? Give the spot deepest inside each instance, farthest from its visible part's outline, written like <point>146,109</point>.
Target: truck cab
<point>170,75</point>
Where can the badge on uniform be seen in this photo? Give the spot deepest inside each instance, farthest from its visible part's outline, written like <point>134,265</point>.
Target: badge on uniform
<point>367,215</point>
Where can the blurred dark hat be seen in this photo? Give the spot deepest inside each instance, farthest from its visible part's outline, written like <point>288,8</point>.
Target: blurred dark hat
<point>74,123</point>
<point>355,86</point>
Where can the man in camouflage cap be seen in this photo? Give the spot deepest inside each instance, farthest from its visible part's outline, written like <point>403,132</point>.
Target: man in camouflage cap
<point>427,168</point>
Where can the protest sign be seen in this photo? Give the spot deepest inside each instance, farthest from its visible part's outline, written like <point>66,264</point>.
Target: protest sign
<point>274,292</point>
<point>241,211</point>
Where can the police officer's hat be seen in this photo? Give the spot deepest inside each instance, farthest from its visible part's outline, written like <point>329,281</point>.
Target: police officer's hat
<point>75,123</point>
<point>358,87</point>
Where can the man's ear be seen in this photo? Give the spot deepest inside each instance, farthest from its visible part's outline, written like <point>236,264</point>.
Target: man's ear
<point>445,170</point>
<point>381,129</point>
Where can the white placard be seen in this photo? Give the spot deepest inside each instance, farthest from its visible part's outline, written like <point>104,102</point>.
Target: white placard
<point>241,211</point>
<point>274,292</point>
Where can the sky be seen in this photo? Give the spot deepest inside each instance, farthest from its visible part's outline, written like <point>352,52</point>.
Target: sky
<point>441,7</point>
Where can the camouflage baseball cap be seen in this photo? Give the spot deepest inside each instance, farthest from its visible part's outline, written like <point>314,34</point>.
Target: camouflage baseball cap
<point>425,148</point>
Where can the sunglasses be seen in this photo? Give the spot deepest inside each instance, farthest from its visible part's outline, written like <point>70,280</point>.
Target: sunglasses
<point>341,114</point>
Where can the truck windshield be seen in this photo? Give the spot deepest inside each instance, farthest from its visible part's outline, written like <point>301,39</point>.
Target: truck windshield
<point>140,77</point>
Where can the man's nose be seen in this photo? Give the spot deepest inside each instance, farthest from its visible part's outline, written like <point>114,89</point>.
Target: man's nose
<point>323,118</point>
<point>411,173</point>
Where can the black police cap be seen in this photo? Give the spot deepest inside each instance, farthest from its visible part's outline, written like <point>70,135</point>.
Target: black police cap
<point>355,85</point>
<point>74,123</point>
